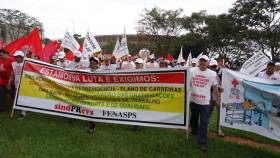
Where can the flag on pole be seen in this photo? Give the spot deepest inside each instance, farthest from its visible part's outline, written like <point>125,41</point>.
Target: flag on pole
<point>169,57</point>
<point>180,57</point>
<point>255,64</point>
<point>49,50</point>
<point>90,45</point>
<point>31,42</point>
<point>115,51</point>
<point>70,42</point>
<point>121,49</point>
<point>189,60</point>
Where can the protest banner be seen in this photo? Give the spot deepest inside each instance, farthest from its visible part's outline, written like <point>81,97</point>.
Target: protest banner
<point>156,98</point>
<point>255,64</point>
<point>251,104</point>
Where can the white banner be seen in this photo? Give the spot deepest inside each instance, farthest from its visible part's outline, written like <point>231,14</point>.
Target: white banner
<point>69,42</point>
<point>250,104</point>
<point>255,64</point>
<point>156,98</point>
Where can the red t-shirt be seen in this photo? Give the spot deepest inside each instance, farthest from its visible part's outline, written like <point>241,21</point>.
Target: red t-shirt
<point>5,71</point>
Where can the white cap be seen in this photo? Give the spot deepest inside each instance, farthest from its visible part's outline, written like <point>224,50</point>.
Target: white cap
<point>60,55</point>
<point>194,60</point>
<point>183,61</point>
<point>277,64</point>
<point>213,62</point>
<point>152,56</point>
<point>167,61</point>
<point>139,61</point>
<point>18,53</point>
<point>205,57</point>
<point>77,54</point>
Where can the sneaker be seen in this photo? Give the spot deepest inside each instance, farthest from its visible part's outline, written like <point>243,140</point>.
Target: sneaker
<point>203,148</point>
<point>91,131</point>
<point>221,134</point>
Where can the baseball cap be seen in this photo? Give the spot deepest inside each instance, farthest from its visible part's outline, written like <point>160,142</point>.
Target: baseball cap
<point>60,55</point>
<point>139,61</point>
<point>205,57</point>
<point>18,53</point>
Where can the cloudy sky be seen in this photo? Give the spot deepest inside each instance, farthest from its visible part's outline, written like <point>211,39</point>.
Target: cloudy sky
<point>103,16</point>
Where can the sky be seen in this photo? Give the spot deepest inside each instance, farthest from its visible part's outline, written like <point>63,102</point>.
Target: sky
<point>103,17</point>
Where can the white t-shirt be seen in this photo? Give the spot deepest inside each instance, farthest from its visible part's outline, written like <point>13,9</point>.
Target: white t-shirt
<point>82,65</point>
<point>108,68</point>
<point>201,83</point>
<point>127,65</point>
<point>17,68</point>
<point>64,64</point>
<point>153,65</point>
<point>274,76</point>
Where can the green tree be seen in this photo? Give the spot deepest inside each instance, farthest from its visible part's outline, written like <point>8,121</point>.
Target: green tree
<point>16,23</point>
<point>163,25</point>
<point>259,22</point>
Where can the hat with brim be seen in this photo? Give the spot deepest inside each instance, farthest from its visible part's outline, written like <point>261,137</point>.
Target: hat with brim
<point>18,53</point>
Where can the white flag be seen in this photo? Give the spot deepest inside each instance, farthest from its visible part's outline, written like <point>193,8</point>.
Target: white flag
<point>90,46</point>
<point>115,51</point>
<point>189,60</point>
<point>255,64</point>
<point>121,49</point>
<point>180,58</point>
<point>70,42</point>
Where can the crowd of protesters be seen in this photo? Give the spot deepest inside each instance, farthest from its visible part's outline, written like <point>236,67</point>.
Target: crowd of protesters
<point>204,97</point>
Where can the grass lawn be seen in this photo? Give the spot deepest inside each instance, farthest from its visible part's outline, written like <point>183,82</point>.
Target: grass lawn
<point>40,135</point>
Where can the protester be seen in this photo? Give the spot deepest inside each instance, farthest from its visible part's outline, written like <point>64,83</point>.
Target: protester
<point>269,72</point>
<point>62,62</point>
<point>139,63</point>
<point>202,79</point>
<point>5,73</point>
<point>106,64</point>
<point>194,62</point>
<point>53,59</point>
<point>277,67</point>
<point>127,63</point>
<point>93,67</point>
<point>213,65</point>
<point>16,73</point>
<point>163,64</point>
<point>77,63</point>
<point>152,64</point>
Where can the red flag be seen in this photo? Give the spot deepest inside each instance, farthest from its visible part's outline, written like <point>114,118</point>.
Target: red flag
<point>169,57</point>
<point>50,49</point>
<point>34,42</point>
<point>31,42</point>
<point>69,56</point>
<point>81,48</point>
<point>1,44</point>
<point>15,45</point>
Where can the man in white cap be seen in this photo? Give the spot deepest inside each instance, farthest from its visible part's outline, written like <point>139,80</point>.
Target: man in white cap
<point>16,73</point>
<point>128,64</point>
<point>62,62</point>
<point>194,62</point>
<point>202,79</point>
<point>77,63</point>
<point>106,64</point>
<point>277,67</point>
<point>152,64</point>
<point>139,63</point>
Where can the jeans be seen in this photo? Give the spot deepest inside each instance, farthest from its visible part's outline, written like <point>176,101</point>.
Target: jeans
<point>204,111</point>
<point>3,100</point>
